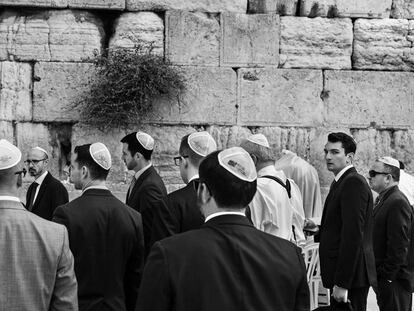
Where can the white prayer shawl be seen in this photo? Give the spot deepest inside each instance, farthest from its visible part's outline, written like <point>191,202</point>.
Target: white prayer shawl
<point>406,186</point>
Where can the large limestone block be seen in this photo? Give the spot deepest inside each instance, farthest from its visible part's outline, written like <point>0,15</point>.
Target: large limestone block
<point>316,43</point>
<point>249,40</point>
<point>67,36</point>
<point>15,91</point>
<point>6,131</point>
<point>384,44</point>
<point>188,5</point>
<point>281,7</point>
<point>57,87</point>
<point>210,97</point>
<point>347,8</point>
<point>402,9</point>
<point>139,28</point>
<point>367,98</point>
<point>279,96</point>
<point>97,4</point>
<point>192,38</point>
<point>36,3</point>
<point>403,142</point>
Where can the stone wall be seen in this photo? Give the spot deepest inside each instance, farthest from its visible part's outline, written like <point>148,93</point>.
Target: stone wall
<point>291,69</point>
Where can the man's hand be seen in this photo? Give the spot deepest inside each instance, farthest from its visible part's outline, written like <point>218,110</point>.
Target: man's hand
<point>340,294</point>
<point>310,228</point>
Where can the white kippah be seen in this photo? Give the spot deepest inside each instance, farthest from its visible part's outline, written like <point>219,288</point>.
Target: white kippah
<point>100,154</point>
<point>259,139</point>
<point>146,141</point>
<point>41,149</point>
<point>202,143</point>
<point>10,155</point>
<point>389,161</point>
<point>239,163</point>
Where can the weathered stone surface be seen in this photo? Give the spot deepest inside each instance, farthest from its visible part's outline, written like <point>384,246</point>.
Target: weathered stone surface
<point>71,36</point>
<point>6,131</point>
<point>188,5</point>
<point>281,7</point>
<point>97,4</point>
<point>15,91</point>
<point>279,96</point>
<point>315,43</point>
<point>384,44</point>
<point>142,27</point>
<point>57,87</point>
<point>192,38</point>
<point>346,8</point>
<point>210,97</point>
<point>36,3</point>
<point>249,39</point>
<point>403,142</point>
<point>402,9</point>
<point>367,98</point>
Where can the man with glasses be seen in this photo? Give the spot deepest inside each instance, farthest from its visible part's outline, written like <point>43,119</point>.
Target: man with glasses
<point>181,212</point>
<point>393,238</point>
<point>46,192</point>
<point>36,264</point>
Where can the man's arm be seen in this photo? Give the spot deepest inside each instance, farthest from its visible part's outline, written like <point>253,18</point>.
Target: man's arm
<point>65,292</point>
<point>155,292</point>
<point>165,222</point>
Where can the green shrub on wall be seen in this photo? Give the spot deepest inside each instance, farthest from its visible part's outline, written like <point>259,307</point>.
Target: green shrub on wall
<point>126,87</point>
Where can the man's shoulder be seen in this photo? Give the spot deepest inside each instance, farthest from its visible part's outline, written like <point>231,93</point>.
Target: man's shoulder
<point>181,194</point>
<point>53,182</point>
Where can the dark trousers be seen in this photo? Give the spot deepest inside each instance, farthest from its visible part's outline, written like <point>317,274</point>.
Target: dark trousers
<point>358,297</point>
<point>391,296</point>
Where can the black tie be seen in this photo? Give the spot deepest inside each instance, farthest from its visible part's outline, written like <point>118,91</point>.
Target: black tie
<point>33,187</point>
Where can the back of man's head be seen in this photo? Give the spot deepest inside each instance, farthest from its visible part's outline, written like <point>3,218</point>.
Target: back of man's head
<point>10,164</point>
<point>196,146</point>
<point>139,142</point>
<point>348,143</point>
<point>96,158</point>
<point>258,146</point>
<point>230,176</point>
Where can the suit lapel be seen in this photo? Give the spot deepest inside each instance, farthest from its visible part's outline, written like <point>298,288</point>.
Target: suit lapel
<point>42,191</point>
<point>138,183</point>
<point>384,198</point>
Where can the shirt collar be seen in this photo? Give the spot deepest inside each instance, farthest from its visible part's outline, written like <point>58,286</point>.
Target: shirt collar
<point>95,187</point>
<point>223,213</point>
<point>341,172</point>
<point>9,198</point>
<point>142,170</point>
<point>194,177</point>
<point>41,178</point>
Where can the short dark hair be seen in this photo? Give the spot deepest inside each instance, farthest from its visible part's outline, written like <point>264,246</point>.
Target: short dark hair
<point>402,166</point>
<point>134,146</point>
<point>185,149</point>
<point>228,190</point>
<point>348,143</point>
<point>84,158</point>
<point>393,171</point>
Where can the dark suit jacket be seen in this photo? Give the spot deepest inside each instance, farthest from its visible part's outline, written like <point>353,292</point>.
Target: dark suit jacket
<point>106,239</point>
<point>345,250</point>
<point>148,194</point>
<point>180,214</point>
<point>393,238</point>
<point>51,194</point>
<point>228,265</point>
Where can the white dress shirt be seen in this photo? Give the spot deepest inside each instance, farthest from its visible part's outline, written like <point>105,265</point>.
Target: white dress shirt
<point>406,186</point>
<point>223,213</point>
<point>142,170</point>
<point>341,172</point>
<point>39,180</point>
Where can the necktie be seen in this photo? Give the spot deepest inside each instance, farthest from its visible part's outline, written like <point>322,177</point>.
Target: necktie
<point>377,201</point>
<point>33,187</point>
<point>131,186</point>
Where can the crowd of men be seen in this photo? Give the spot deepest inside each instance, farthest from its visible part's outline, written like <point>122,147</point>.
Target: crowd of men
<point>231,239</point>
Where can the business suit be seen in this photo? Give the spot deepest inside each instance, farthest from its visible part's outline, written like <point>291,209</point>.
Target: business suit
<point>51,194</point>
<point>345,236</point>
<point>180,214</point>
<point>227,264</point>
<point>148,193</point>
<point>36,265</point>
<point>393,240</point>
<point>106,239</point>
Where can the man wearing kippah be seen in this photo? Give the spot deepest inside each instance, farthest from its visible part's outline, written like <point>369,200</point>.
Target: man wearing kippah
<point>36,264</point>
<point>105,235</point>
<point>181,212</point>
<point>46,192</point>
<point>393,238</point>
<point>147,191</point>
<point>227,264</point>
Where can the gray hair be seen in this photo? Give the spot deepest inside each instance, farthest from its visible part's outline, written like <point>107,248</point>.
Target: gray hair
<point>262,153</point>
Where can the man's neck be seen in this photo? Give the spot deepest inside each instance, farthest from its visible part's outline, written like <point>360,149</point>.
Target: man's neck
<point>39,174</point>
<point>388,187</point>
<point>262,165</point>
<point>93,183</point>
<point>5,191</point>
<point>141,165</point>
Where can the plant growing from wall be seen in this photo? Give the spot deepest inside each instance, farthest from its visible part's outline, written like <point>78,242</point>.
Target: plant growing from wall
<point>127,86</point>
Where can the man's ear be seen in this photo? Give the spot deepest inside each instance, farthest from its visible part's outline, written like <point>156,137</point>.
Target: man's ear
<point>350,158</point>
<point>204,193</point>
<point>84,172</point>
<point>254,158</point>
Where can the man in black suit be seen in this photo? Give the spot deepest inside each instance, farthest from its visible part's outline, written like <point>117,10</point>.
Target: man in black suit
<point>181,212</point>
<point>345,235</point>
<point>393,238</point>
<point>147,191</point>
<point>46,192</point>
<point>105,235</point>
<point>227,264</point>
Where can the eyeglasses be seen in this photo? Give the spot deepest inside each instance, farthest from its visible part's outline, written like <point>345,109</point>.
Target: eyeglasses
<point>178,160</point>
<point>34,162</point>
<point>23,171</point>
<point>373,173</point>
